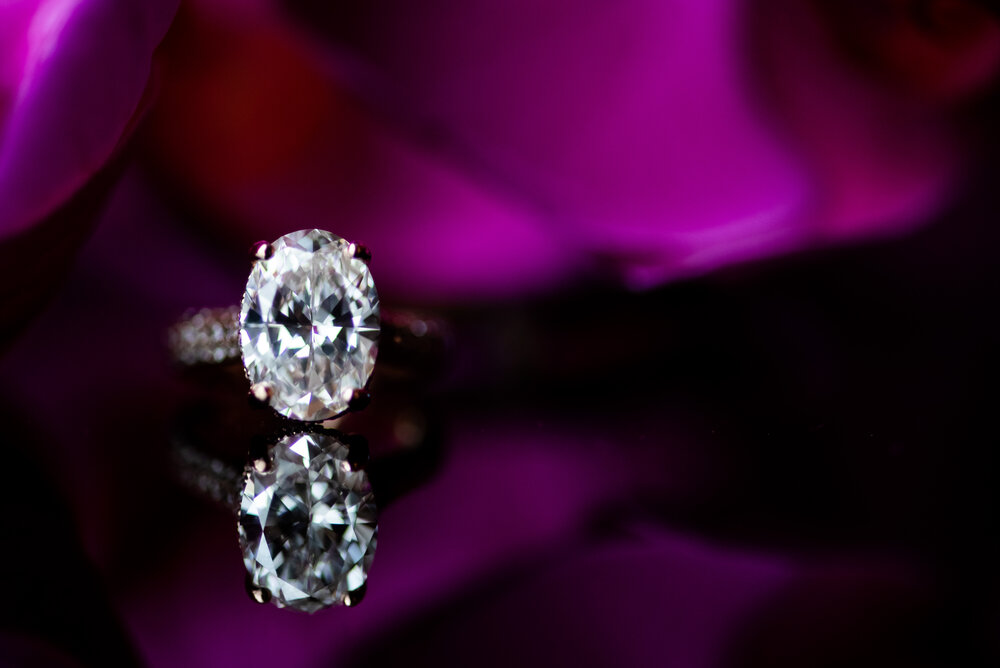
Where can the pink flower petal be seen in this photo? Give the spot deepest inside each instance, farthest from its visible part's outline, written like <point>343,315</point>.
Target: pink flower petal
<point>72,74</point>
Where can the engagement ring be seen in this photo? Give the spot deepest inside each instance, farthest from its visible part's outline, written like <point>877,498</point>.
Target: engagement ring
<point>307,329</point>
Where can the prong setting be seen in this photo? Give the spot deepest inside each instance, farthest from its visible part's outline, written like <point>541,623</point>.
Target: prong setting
<point>260,394</point>
<point>355,596</point>
<point>257,593</point>
<point>361,252</point>
<point>261,250</point>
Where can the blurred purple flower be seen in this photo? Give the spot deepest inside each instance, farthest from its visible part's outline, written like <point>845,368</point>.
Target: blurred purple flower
<point>517,145</point>
<point>72,74</point>
<point>72,79</point>
<point>675,138</point>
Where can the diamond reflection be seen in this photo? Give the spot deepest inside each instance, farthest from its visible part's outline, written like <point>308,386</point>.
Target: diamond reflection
<point>307,524</point>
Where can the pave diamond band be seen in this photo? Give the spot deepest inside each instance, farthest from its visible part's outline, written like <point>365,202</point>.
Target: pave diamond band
<point>206,336</point>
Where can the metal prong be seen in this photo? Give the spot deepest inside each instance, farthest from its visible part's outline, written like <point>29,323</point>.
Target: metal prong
<point>352,598</point>
<point>260,394</point>
<point>261,250</point>
<point>261,464</point>
<point>359,400</point>
<point>361,252</point>
<point>257,594</point>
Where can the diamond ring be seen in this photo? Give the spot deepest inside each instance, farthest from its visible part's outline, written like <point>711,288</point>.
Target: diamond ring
<point>307,329</point>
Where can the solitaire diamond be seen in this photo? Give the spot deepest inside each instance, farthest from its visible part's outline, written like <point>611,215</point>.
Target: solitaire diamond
<point>308,524</point>
<point>309,324</point>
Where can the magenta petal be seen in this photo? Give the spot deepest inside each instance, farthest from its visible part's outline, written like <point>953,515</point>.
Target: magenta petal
<point>72,74</point>
<point>653,134</point>
<point>435,233</point>
<point>883,162</point>
<point>632,126</point>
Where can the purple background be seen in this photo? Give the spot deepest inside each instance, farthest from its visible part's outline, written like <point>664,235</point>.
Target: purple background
<point>722,275</point>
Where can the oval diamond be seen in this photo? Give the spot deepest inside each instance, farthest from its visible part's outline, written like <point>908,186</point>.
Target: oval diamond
<point>309,325</point>
<point>308,524</point>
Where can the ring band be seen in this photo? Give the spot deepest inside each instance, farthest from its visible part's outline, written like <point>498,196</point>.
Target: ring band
<point>308,330</point>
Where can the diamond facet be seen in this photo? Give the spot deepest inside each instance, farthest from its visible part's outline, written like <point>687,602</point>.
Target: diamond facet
<point>309,324</point>
<point>308,524</point>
